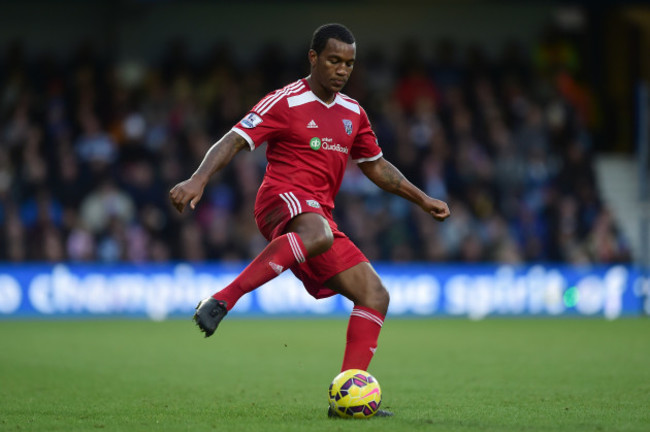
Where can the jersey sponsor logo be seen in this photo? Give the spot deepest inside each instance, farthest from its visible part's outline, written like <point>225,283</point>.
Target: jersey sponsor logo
<point>251,120</point>
<point>315,143</point>
<point>348,126</point>
<point>312,125</point>
<point>334,147</point>
<point>312,203</point>
<point>326,144</point>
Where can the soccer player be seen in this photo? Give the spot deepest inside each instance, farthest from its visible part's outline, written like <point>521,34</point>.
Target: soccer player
<point>312,129</point>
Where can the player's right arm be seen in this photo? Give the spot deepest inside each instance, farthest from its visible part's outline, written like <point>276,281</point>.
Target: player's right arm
<point>217,157</point>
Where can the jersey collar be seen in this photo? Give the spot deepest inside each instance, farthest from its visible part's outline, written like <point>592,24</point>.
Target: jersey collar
<point>312,96</point>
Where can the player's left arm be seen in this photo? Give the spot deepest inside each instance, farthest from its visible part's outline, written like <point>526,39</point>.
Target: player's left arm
<point>386,176</point>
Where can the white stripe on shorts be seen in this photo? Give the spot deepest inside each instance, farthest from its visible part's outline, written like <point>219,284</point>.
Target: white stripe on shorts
<point>292,202</point>
<point>296,201</point>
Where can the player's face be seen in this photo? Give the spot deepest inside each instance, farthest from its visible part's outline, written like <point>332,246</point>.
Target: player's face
<point>331,69</point>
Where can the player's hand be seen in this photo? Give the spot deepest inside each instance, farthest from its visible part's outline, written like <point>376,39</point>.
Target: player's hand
<point>436,208</point>
<point>188,191</point>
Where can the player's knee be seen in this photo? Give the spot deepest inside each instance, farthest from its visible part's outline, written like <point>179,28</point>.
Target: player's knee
<point>317,241</point>
<point>382,298</point>
<point>314,231</point>
<point>376,297</point>
<point>321,241</point>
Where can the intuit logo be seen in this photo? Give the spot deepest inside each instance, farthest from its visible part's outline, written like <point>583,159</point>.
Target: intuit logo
<point>315,143</point>
<point>326,144</point>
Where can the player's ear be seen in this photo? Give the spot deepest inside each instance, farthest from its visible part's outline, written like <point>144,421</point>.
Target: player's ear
<point>313,56</point>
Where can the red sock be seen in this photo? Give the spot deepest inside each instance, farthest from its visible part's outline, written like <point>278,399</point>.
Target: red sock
<point>279,255</point>
<point>363,332</point>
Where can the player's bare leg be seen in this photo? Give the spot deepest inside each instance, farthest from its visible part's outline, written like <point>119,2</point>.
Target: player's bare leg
<point>362,285</point>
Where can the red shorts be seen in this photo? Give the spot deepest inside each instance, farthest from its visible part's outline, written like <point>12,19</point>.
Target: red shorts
<point>274,210</point>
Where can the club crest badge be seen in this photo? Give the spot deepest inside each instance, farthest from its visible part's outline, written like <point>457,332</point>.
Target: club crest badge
<point>348,126</point>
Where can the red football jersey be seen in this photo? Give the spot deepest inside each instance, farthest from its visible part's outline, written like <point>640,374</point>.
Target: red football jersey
<point>308,141</point>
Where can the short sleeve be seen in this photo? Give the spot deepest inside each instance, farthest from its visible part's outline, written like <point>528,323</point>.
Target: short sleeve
<point>263,122</point>
<point>365,147</point>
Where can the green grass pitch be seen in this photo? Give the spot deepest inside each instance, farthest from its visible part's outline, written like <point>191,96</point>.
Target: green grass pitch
<point>272,375</point>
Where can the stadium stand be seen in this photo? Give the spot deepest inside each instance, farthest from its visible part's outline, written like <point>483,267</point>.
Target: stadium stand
<point>90,147</point>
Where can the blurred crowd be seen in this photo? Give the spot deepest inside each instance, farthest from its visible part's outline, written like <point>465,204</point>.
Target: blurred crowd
<point>89,148</point>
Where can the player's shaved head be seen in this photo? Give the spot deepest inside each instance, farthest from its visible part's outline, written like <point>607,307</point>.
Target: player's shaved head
<point>330,31</point>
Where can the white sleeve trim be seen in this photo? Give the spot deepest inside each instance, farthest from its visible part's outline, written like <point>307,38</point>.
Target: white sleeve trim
<point>244,135</point>
<point>373,158</point>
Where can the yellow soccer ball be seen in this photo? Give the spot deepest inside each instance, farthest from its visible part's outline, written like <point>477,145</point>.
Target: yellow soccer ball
<point>355,393</point>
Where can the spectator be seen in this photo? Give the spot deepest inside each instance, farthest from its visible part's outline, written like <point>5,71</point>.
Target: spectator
<point>85,163</point>
<point>104,204</point>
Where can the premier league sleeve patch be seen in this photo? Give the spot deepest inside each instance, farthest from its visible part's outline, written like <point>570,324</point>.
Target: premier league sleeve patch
<point>250,121</point>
